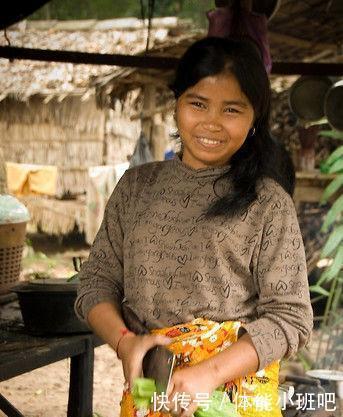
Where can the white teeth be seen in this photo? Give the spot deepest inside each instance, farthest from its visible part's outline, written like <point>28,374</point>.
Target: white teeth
<point>209,141</point>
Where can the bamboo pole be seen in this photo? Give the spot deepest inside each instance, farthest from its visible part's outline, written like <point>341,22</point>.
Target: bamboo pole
<point>3,176</point>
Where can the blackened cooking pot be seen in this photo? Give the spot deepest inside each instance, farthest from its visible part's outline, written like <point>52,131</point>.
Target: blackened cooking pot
<point>47,306</point>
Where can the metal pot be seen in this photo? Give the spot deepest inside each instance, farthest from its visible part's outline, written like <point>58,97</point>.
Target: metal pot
<point>307,95</point>
<point>47,306</point>
<point>329,375</point>
<point>333,105</point>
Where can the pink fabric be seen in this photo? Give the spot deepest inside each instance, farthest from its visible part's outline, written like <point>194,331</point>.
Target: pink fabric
<point>253,26</point>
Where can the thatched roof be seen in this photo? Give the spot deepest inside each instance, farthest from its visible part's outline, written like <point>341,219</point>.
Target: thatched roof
<point>310,31</point>
<point>116,84</point>
<point>22,78</point>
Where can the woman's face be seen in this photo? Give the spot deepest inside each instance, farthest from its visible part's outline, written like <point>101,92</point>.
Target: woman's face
<point>213,119</point>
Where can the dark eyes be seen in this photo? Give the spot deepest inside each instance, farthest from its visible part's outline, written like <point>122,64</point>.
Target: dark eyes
<point>231,110</point>
<point>200,105</point>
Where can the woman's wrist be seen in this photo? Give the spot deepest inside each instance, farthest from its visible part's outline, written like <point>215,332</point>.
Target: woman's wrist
<point>124,331</point>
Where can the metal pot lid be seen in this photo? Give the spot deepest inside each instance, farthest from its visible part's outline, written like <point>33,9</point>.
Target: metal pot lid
<point>327,374</point>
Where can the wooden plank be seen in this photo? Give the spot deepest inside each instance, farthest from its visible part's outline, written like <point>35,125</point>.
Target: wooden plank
<point>25,360</point>
<point>20,362</point>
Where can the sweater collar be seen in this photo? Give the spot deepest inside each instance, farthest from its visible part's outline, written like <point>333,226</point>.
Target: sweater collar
<point>209,172</point>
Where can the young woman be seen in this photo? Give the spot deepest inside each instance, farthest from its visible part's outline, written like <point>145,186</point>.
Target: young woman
<point>205,249</point>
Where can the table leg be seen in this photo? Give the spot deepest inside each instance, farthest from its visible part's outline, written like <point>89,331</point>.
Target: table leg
<point>8,408</point>
<point>80,402</point>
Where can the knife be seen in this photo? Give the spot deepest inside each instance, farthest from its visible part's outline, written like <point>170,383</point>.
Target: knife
<point>158,364</point>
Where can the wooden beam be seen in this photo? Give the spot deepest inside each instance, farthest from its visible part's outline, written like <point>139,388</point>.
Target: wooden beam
<point>307,68</point>
<point>75,57</point>
<point>160,62</point>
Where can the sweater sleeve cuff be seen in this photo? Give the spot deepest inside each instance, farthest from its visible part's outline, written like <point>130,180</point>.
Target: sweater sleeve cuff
<point>268,339</point>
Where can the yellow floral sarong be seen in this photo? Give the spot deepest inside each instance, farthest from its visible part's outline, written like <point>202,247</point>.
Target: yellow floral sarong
<point>255,395</point>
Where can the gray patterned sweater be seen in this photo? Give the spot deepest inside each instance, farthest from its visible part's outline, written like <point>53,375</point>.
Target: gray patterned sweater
<point>156,250</point>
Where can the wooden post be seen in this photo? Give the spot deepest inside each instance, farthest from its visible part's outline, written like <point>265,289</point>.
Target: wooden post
<point>159,140</point>
<point>149,104</point>
<point>80,402</point>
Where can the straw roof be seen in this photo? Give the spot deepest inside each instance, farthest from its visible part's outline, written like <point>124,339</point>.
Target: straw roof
<point>310,31</point>
<point>22,78</point>
<point>299,31</point>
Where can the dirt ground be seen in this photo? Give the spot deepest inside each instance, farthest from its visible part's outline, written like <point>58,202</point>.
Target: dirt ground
<point>44,392</point>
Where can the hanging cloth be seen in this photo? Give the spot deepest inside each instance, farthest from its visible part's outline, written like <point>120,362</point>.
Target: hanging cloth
<point>141,154</point>
<point>252,25</point>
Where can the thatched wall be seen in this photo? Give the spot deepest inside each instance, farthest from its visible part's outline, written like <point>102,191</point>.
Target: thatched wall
<point>71,134</point>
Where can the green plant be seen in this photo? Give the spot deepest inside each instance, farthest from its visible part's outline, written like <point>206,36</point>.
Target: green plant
<point>332,277</point>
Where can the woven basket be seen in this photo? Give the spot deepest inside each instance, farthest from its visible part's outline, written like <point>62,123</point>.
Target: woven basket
<point>12,238</point>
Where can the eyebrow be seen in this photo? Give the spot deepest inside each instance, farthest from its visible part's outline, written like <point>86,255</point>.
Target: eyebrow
<point>229,102</point>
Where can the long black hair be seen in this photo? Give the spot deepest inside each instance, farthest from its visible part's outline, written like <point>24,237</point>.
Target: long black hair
<point>261,155</point>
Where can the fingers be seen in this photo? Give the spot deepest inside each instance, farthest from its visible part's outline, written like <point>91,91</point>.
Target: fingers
<point>159,339</point>
<point>137,347</point>
<point>142,345</point>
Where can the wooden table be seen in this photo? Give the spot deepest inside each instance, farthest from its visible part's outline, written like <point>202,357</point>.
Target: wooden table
<point>20,353</point>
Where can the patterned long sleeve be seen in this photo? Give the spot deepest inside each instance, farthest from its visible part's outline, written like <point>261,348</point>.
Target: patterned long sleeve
<point>101,276</point>
<point>174,265</point>
<point>285,317</point>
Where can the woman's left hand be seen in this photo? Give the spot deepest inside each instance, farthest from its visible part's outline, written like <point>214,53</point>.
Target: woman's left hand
<point>189,388</point>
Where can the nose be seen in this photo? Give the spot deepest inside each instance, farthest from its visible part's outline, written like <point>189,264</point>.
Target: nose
<point>212,122</point>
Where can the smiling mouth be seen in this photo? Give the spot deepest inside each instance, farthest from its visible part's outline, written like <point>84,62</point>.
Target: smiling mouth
<point>207,142</point>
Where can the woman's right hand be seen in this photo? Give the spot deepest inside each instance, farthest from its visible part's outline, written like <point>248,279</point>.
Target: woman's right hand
<point>132,349</point>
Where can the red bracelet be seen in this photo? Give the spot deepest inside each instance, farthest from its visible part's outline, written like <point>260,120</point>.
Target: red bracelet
<point>123,331</point>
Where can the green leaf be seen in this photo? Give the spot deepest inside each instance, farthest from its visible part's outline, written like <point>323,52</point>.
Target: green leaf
<point>324,168</point>
<point>336,154</point>
<point>333,213</point>
<point>319,290</point>
<point>335,267</point>
<point>336,166</point>
<point>323,277</point>
<point>333,187</point>
<point>333,241</point>
<point>318,298</point>
<point>335,134</point>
